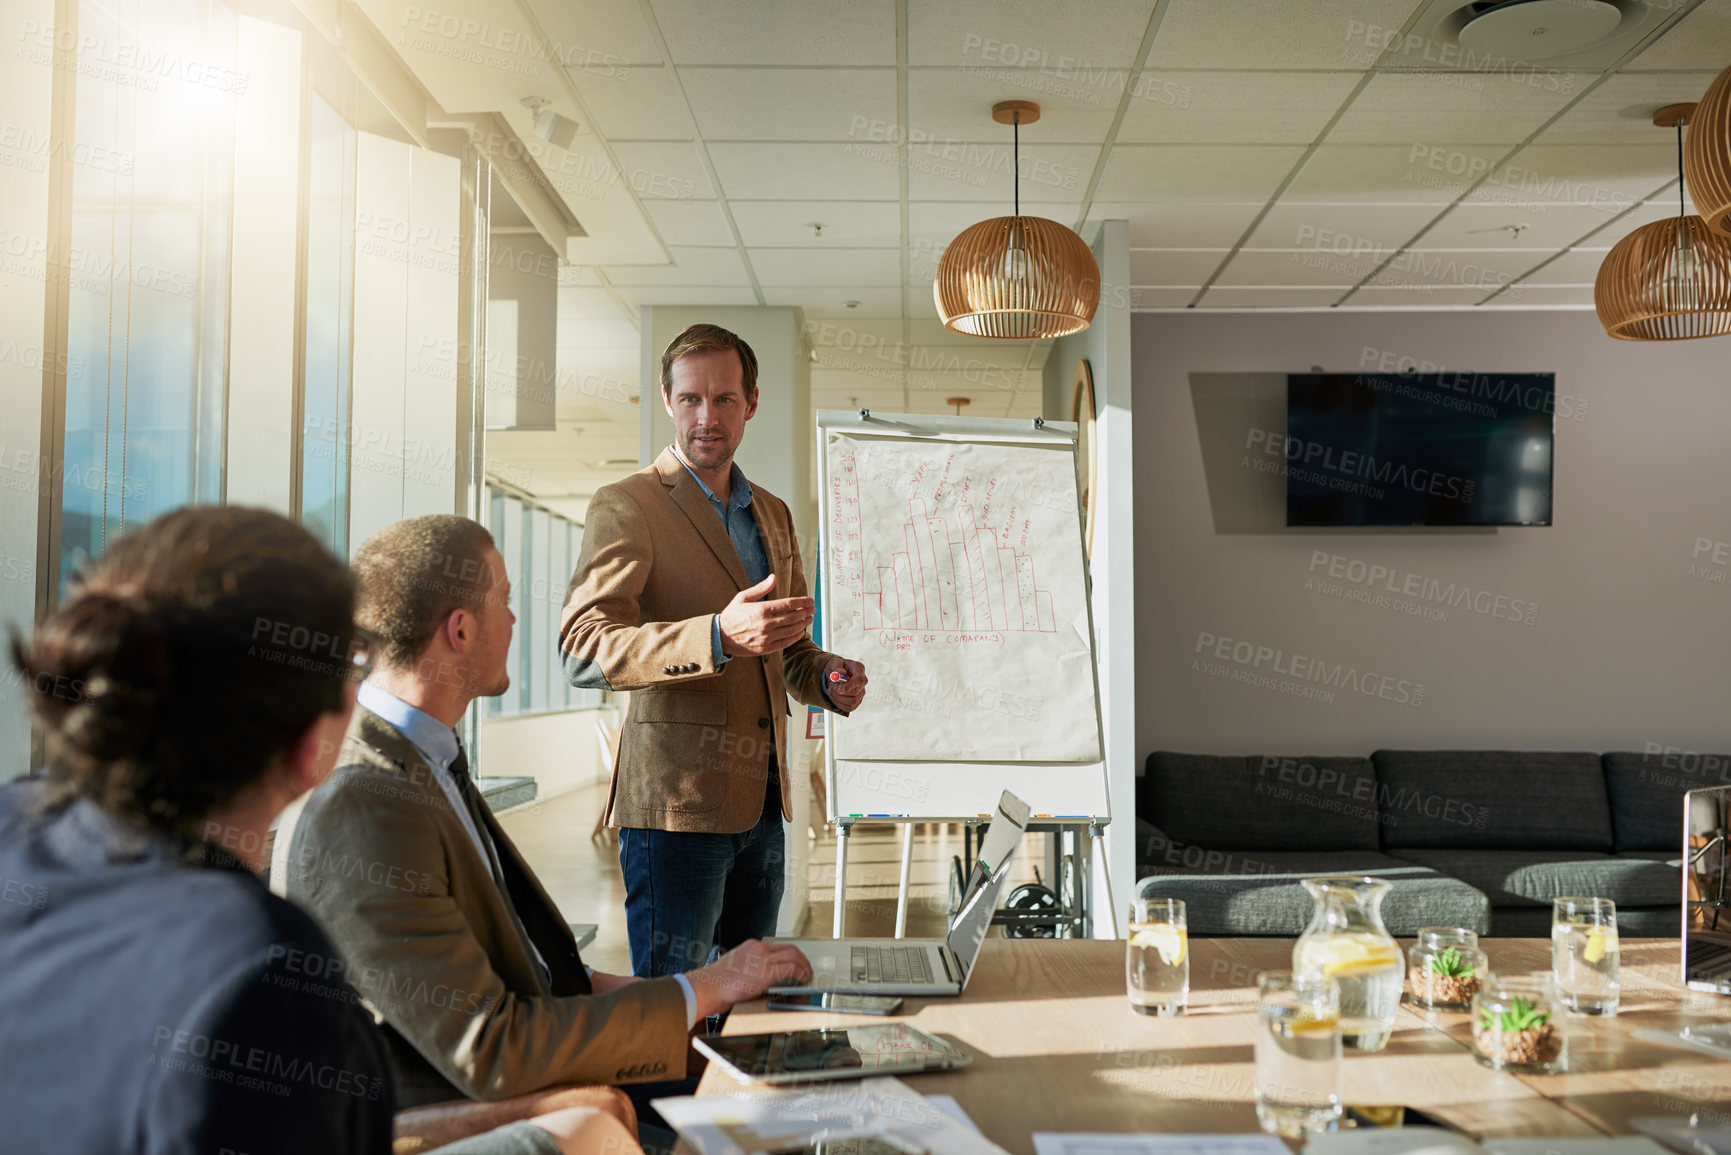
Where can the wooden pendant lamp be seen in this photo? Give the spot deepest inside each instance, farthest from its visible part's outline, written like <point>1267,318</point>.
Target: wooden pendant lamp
<point>1670,280</point>
<point>1017,278</point>
<point>1707,155</point>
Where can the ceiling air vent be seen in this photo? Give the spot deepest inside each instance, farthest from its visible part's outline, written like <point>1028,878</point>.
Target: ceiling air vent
<point>1523,36</point>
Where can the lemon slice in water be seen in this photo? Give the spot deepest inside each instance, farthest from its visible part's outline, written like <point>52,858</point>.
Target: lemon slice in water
<point>1169,940</point>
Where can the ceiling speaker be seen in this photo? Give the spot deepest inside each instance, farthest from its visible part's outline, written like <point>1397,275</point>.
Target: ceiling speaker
<point>1537,29</point>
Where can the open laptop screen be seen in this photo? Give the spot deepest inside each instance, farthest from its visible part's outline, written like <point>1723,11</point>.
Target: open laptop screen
<point>1707,898</point>
<point>986,884</point>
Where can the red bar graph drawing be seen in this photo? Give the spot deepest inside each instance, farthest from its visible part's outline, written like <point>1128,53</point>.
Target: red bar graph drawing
<point>953,579</point>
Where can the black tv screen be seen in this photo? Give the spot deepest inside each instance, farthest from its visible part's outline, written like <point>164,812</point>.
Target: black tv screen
<point>1418,449</point>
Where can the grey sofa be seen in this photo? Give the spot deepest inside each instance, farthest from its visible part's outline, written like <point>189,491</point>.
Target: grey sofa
<point>1476,838</point>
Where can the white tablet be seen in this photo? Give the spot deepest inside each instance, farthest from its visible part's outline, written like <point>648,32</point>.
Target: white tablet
<point>836,1053</point>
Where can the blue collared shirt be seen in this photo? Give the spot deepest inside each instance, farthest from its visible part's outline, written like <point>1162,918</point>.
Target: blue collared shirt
<point>742,531</point>
<point>437,743</point>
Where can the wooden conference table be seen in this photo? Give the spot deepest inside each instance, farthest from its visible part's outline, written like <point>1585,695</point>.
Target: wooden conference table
<point>1057,1048</point>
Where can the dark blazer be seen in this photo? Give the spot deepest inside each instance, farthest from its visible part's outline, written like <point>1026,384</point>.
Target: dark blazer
<point>383,861</point>
<point>656,567</point>
<point>152,1005</point>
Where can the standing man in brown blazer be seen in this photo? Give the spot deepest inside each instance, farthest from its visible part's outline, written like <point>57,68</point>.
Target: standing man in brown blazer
<point>443,928</point>
<point>689,592</point>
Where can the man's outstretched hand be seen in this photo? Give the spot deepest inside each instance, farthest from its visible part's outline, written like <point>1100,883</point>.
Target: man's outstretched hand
<point>745,972</point>
<point>849,692</point>
<point>750,625</point>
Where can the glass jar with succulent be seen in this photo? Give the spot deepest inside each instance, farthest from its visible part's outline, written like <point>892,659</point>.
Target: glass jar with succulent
<point>1514,1027</point>
<point>1447,968</point>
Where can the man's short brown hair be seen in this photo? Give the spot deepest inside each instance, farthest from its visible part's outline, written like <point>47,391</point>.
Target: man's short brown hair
<point>708,339</point>
<point>413,575</point>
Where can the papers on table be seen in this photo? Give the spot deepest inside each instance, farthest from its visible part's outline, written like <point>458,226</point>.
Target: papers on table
<point>1436,1141</point>
<point>1087,1143</point>
<point>748,1124</point>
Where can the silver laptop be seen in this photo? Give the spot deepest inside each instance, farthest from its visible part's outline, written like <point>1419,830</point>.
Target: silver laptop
<point>904,966</point>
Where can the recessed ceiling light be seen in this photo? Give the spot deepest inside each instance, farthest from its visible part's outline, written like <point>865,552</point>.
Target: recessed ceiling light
<point>851,304</point>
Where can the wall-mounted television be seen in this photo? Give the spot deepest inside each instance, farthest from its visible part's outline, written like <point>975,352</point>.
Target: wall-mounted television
<point>1418,448</point>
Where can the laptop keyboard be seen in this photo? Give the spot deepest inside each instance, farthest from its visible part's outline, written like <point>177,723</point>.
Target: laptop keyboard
<point>891,964</point>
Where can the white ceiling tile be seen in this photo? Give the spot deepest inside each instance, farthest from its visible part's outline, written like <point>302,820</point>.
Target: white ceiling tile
<point>1196,172</point>
<point>641,295</point>
<point>864,393</point>
<point>598,34</point>
<point>686,222</point>
<point>1611,177</point>
<point>1415,297</point>
<point>932,225</point>
<point>1176,298</point>
<point>1577,267</point>
<point>776,171</point>
<point>639,103</point>
<point>691,266</point>
<point>1273,34</point>
<point>1230,297</point>
<point>1340,228</point>
<point>1482,269</point>
<point>1543,297</point>
<point>1233,107</point>
<point>1036,36</point>
<point>1270,267</point>
<point>1620,111</point>
<point>845,336</point>
<point>949,104</point>
<point>808,32</point>
<point>839,104</point>
<point>1185,224</point>
<point>843,268</point>
<point>957,171</point>
<point>1397,173</point>
<point>1452,108</point>
<point>846,224</point>
<point>832,303</point>
<point>668,170</point>
<point>1484,226</point>
<point>1699,40</point>
<point>1174,266</point>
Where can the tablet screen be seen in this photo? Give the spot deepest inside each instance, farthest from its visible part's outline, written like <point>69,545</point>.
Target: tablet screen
<point>839,1053</point>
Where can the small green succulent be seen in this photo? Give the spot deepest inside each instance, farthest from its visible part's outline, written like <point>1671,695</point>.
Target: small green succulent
<point>1521,1015</point>
<point>1449,963</point>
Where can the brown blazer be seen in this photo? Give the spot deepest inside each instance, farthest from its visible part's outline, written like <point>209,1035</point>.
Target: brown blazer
<point>381,859</point>
<point>656,567</point>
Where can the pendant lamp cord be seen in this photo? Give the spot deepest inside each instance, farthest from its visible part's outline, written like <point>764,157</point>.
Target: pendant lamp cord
<point>1016,128</point>
<point>1680,213</point>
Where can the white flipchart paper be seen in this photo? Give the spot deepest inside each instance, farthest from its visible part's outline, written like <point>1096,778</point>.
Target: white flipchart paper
<point>955,573</point>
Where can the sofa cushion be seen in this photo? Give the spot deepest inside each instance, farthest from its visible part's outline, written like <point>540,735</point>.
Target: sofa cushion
<point>1264,802</point>
<point>1646,793</point>
<point>1263,895</point>
<point>1507,800</point>
<point>1535,877</point>
<point>1632,922</point>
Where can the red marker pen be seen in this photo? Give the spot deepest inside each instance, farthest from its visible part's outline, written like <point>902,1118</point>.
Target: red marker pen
<point>838,676</point>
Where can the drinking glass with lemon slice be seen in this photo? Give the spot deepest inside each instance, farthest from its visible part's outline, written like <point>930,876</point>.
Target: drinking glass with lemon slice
<point>1158,964</point>
<point>1297,1053</point>
<point>1584,957</point>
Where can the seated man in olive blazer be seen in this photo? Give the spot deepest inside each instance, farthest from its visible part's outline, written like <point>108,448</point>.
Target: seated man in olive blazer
<point>443,929</point>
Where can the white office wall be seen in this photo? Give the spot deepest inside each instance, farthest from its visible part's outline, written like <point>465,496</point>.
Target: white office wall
<point>261,357</point>
<point>26,93</point>
<point>1629,627</point>
<point>404,406</point>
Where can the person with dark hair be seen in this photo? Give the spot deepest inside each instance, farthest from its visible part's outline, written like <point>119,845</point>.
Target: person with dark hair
<point>689,591</point>
<point>468,963</point>
<point>158,998</point>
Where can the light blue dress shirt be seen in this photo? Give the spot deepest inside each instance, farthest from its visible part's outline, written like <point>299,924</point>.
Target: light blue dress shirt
<point>437,743</point>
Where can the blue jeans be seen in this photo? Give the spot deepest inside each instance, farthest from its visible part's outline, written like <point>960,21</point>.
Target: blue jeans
<point>690,895</point>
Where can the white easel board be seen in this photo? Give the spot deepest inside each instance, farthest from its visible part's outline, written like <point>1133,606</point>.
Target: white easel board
<point>954,569</point>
